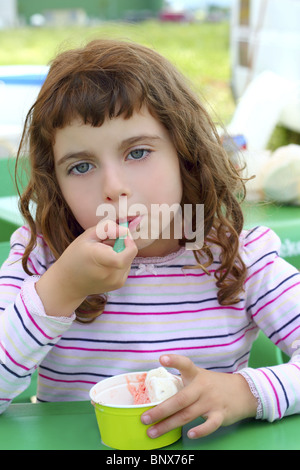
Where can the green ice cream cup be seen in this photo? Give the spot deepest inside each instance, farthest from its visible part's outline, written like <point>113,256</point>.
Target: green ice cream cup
<point>119,420</point>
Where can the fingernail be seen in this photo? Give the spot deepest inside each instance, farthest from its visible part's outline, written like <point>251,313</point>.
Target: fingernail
<point>191,435</point>
<point>152,432</point>
<point>165,360</point>
<point>146,419</point>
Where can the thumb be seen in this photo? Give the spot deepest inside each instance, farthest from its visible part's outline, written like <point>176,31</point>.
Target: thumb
<point>109,229</point>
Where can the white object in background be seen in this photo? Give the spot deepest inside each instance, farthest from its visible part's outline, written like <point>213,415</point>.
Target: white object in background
<point>9,210</point>
<point>8,14</point>
<point>280,176</point>
<point>265,35</point>
<point>254,161</point>
<point>19,87</point>
<point>260,108</point>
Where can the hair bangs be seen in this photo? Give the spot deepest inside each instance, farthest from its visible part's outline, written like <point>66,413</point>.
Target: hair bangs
<point>94,97</point>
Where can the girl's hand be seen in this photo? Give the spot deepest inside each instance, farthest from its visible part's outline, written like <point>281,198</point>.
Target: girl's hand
<point>91,264</point>
<point>88,266</point>
<point>221,399</point>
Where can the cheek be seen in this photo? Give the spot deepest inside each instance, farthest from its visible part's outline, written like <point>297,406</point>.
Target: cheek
<point>169,186</point>
<point>161,185</point>
<point>82,208</point>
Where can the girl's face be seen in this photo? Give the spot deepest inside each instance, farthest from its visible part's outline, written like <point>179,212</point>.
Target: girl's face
<point>132,159</point>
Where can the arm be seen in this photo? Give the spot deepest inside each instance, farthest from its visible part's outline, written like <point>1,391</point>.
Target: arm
<point>273,293</point>
<point>36,311</point>
<point>86,267</point>
<point>273,304</point>
<point>26,333</point>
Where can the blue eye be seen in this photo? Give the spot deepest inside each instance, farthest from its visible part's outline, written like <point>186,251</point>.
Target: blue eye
<point>80,169</point>
<point>138,154</point>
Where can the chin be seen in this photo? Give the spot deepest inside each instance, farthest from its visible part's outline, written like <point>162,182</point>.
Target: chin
<point>155,248</point>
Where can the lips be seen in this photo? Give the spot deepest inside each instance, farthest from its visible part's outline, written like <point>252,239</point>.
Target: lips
<point>121,220</point>
<point>134,221</point>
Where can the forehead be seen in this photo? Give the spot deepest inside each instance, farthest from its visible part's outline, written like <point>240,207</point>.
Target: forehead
<point>141,125</point>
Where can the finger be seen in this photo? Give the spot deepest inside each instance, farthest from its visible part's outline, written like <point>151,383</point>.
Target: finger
<point>213,422</point>
<point>176,404</point>
<point>106,256</point>
<point>176,420</point>
<point>108,229</point>
<point>182,363</point>
<point>130,243</point>
<point>182,399</point>
<point>130,251</point>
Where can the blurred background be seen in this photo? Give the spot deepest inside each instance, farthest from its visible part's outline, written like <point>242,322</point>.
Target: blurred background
<point>241,56</point>
<point>214,42</point>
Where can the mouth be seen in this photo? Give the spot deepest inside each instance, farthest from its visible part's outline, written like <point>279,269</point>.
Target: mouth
<point>133,221</point>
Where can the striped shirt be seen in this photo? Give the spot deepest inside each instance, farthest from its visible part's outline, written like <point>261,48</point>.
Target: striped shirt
<point>164,307</point>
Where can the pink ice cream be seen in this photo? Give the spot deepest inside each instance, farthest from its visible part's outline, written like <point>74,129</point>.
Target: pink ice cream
<point>139,391</point>
<point>154,386</point>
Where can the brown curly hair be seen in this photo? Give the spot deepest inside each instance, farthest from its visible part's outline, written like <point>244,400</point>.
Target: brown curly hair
<point>110,78</point>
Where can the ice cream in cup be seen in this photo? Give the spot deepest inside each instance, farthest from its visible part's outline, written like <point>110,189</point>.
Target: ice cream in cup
<point>121,400</point>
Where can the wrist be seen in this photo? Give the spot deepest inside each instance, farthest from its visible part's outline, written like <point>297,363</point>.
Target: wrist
<point>247,399</point>
<point>253,389</point>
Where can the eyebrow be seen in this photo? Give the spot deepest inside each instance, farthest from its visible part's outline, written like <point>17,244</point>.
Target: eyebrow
<point>139,138</point>
<point>125,143</point>
<point>74,156</point>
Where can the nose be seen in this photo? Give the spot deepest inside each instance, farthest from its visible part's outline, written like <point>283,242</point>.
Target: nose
<point>114,184</point>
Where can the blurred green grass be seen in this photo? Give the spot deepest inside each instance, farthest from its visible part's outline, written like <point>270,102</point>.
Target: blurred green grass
<point>199,50</point>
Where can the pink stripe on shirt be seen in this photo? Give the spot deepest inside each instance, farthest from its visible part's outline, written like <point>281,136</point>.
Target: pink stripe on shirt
<point>273,300</point>
<point>11,285</point>
<point>257,238</point>
<point>67,381</point>
<point>30,261</point>
<point>258,271</point>
<point>10,357</point>
<point>282,339</point>
<point>209,346</point>
<point>225,307</point>
<point>274,390</point>
<point>35,324</point>
<point>137,276</point>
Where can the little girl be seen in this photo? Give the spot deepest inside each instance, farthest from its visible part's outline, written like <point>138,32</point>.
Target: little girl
<point>116,120</point>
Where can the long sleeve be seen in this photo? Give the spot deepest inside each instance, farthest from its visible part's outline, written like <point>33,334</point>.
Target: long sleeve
<point>273,303</point>
<point>26,333</point>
